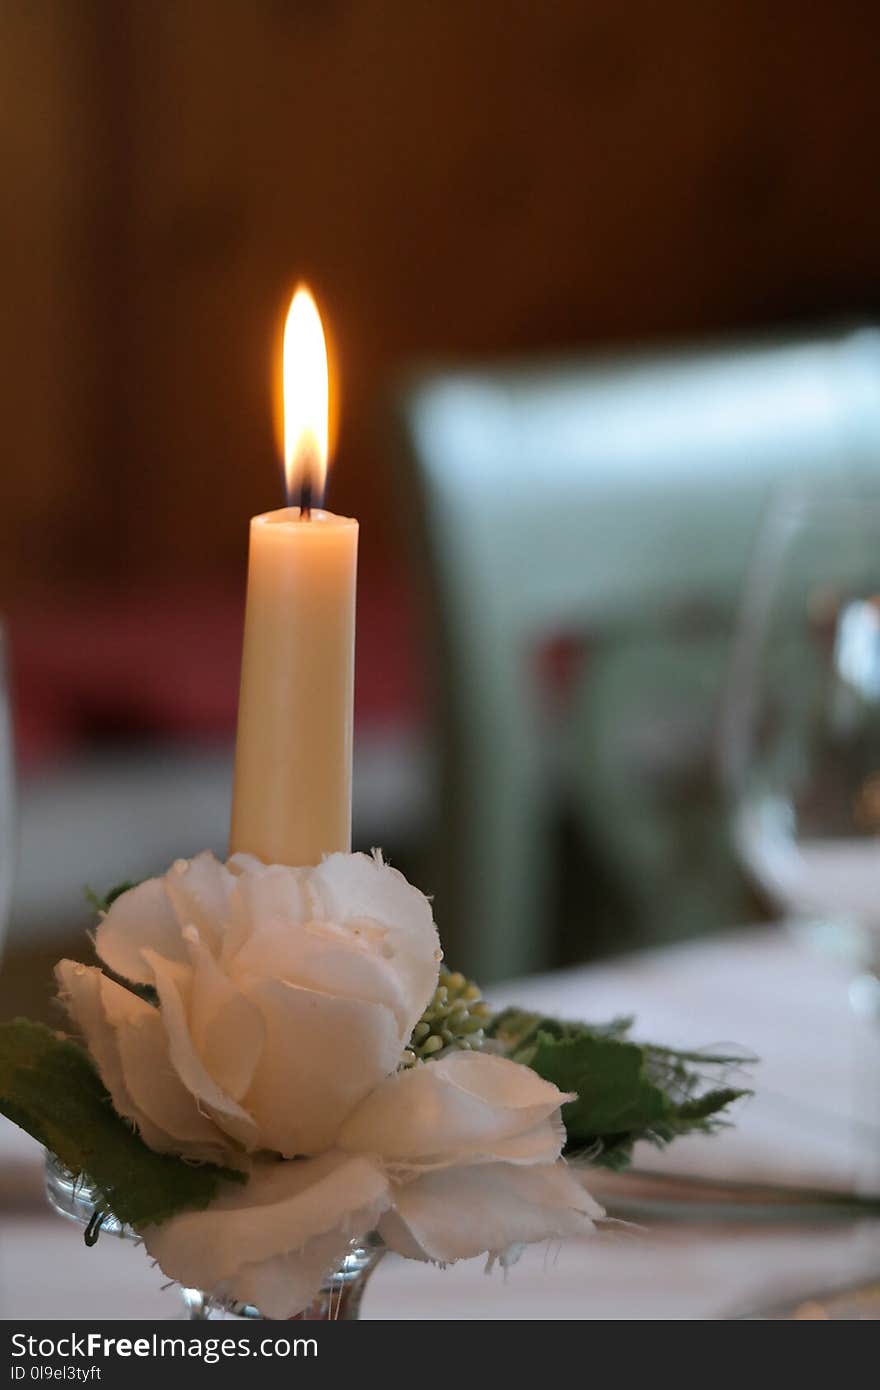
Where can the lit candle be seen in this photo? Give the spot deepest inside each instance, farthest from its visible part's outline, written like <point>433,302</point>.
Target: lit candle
<point>291,799</point>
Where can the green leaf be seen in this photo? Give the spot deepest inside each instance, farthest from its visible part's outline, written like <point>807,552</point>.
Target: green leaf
<point>626,1091</point>
<point>99,904</point>
<point>49,1087</point>
<point>518,1029</point>
<point>614,1092</point>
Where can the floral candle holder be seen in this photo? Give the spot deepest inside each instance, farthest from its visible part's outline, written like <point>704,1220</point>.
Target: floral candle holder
<point>280,1079</point>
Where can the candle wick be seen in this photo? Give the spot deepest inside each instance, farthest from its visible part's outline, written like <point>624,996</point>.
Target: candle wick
<point>305,499</point>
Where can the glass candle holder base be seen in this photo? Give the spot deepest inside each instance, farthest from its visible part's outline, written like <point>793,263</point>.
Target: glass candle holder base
<point>338,1299</point>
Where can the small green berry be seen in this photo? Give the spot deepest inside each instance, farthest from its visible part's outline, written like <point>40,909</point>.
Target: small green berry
<point>471,1025</point>
<point>455,1018</point>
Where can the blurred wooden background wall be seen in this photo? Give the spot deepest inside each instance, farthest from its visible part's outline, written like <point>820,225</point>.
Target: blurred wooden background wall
<point>463,178</point>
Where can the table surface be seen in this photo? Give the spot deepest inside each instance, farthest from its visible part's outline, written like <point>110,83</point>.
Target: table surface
<point>807,1125</point>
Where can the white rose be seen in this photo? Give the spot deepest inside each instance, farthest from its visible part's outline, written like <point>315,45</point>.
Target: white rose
<point>285,1000</point>
<point>451,1159</point>
<point>285,997</point>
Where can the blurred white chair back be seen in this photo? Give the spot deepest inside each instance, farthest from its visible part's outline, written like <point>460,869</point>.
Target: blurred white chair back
<point>575,498</point>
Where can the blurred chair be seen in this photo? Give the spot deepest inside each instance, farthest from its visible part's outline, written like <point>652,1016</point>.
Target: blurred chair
<point>612,501</point>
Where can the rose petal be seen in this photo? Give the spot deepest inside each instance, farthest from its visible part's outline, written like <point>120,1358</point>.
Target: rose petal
<point>264,893</point>
<point>199,891</point>
<point>225,1111</point>
<point>242,863</point>
<point>543,1144</point>
<point>286,1284</point>
<point>227,1031</point>
<point>82,991</point>
<point>468,1106</point>
<point>324,1054</point>
<point>347,961</point>
<point>271,1241</point>
<point>397,1236</point>
<point>359,887</point>
<point>142,918</point>
<point>456,1213</point>
<point>154,1085</point>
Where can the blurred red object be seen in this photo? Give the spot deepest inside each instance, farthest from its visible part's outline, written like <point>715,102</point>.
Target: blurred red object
<point>165,664</point>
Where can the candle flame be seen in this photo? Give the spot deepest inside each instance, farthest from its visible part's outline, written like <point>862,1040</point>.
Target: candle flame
<point>306,399</point>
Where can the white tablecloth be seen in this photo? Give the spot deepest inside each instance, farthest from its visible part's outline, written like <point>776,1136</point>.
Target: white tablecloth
<point>809,1123</point>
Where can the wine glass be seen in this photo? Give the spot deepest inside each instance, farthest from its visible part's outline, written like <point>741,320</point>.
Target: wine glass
<point>801,745</point>
<point>801,729</point>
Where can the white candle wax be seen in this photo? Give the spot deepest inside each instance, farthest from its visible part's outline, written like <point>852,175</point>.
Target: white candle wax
<point>292,793</point>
